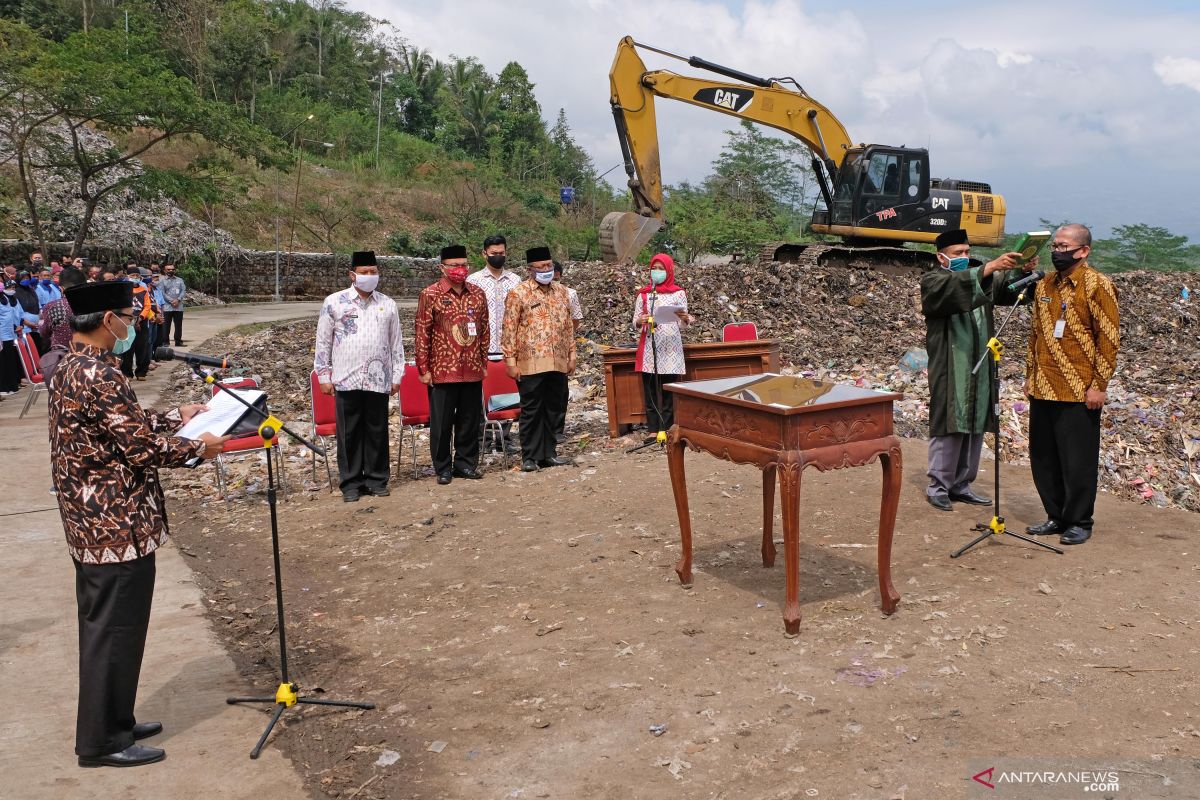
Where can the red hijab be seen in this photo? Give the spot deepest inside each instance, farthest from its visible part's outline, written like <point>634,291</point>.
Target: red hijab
<point>669,284</point>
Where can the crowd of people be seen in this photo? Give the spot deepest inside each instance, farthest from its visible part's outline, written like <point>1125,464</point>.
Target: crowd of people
<point>33,309</point>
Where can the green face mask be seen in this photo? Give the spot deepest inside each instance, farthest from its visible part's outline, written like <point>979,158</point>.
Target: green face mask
<point>658,276</point>
<point>122,345</point>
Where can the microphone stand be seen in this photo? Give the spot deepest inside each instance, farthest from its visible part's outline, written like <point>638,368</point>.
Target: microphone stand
<point>660,438</point>
<point>288,693</point>
<point>997,527</point>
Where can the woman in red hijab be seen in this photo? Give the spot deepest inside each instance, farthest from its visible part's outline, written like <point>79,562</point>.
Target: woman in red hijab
<point>660,346</point>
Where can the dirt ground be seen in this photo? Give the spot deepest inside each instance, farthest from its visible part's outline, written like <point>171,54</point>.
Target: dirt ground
<point>521,635</point>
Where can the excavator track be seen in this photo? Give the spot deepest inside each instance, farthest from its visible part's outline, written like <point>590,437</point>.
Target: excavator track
<point>885,259</point>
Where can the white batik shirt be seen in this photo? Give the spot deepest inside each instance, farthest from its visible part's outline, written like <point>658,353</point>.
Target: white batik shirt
<point>667,344</point>
<point>359,342</point>
<point>497,290</point>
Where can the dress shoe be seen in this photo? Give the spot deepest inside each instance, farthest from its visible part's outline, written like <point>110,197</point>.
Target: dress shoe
<point>1045,528</point>
<point>380,492</point>
<point>969,497</point>
<point>469,474</point>
<point>144,730</point>
<point>133,756</point>
<point>554,461</point>
<point>1075,535</point>
<point>445,478</point>
<point>529,465</point>
<point>350,497</point>
<point>940,502</point>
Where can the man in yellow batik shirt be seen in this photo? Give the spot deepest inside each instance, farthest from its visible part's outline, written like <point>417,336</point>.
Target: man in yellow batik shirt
<point>1073,342</point>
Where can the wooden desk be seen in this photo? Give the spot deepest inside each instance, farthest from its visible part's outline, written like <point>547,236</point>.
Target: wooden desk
<point>703,360</point>
<point>827,426</point>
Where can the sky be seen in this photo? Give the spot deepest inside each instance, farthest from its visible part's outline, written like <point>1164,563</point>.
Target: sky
<point>1086,110</point>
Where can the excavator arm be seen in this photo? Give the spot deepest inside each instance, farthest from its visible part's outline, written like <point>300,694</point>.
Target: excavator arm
<point>766,101</point>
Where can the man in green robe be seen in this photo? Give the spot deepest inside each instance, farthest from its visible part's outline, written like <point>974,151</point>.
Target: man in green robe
<point>957,301</point>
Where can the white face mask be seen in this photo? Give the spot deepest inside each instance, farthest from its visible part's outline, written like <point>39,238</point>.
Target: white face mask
<point>366,283</point>
<point>544,278</point>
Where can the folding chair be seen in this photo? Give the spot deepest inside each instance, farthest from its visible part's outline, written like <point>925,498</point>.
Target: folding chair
<point>497,382</point>
<point>324,423</point>
<point>248,445</point>
<point>33,372</point>
<point>414,412</point>
<point>739,332</point>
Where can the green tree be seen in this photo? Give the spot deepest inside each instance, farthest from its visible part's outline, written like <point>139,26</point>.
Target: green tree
<point>1142,246</point>
<point>761,172</point>
<point>520,132</point>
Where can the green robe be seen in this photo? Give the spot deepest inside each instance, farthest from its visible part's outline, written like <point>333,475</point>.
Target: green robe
<point>958,318</point>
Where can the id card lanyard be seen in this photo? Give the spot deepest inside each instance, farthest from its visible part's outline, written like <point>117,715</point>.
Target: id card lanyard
<point>1060,326</point>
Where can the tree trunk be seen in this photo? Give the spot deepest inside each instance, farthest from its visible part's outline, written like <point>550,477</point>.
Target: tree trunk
<point>28,184</point>
<point>89,211</point>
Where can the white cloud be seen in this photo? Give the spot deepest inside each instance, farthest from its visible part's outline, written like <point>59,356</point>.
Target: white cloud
<point>1176,71</point>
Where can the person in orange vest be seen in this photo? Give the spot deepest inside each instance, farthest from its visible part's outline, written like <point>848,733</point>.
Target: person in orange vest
<point>135,362</point>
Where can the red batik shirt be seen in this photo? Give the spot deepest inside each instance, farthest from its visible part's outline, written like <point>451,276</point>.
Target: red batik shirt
<point>452,333</point>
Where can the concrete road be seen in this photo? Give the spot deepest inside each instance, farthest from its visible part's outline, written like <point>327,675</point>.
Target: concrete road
<point>186,675</point>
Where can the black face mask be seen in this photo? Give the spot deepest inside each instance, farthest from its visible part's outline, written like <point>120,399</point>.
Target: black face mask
<point>1063,260</point>
<point>497,261</point>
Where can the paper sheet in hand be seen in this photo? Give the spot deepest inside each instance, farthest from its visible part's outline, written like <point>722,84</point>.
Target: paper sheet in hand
<point>222,415</point>
<point>665,314</point>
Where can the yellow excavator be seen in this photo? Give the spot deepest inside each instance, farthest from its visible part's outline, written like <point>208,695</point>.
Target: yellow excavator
<point>876,197</point>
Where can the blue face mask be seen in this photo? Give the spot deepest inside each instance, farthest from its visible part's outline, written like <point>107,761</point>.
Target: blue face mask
<point>658,276</point>
<point>122,345</point>
<point>46,282</point>
<point>959,264</point>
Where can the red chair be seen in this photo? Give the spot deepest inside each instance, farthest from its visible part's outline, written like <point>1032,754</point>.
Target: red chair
<point>324,423</point>
<point>32,369</point>
<point>497,382</point>
<point>414,412</point>
<point>248,444</point>
<point>739,332</point>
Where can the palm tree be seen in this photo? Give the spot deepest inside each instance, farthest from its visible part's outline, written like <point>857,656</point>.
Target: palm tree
<point>480,112</point>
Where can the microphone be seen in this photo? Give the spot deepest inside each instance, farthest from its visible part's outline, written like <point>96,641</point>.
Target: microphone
<point>1032,277</point>
<point>169,354</point>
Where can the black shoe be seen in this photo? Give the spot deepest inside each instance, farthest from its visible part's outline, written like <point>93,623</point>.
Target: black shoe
<point>939,501</point>
<point>445,478</point>
<point>380,492</point>
<point>350,497</point>
<point>133,756</point>
<point>969,497</point>
<point>144,730</point>
<point>529,465</point>
<point>471,474</point>
<point>554,461</point>
<point>1044,529</point>
<point>1075,535</point>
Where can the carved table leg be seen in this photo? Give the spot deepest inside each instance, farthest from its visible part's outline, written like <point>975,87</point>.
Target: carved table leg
<point>790,498</point>
<point>683,569</point>
<point>768,540</point>
<point>892,467</point>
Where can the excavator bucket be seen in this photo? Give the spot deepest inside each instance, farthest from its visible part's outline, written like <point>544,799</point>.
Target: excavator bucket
<point>623,234</point>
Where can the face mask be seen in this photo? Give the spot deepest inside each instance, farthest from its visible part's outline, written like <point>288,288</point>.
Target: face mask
<point>122,345</point>
<point>366,283</point>
<point>957,264</point>
<point>28,283</point>
<point>456,275</point>
<point>1064,260</point>
<point>658,276</point>
<point>544,278</point>
<point>46,282</point>
<point>10,292</point>
<point>497,261</point>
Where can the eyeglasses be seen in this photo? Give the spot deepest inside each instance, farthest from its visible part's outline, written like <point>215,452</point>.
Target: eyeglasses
<point>1059,247</point>
<point>125,317</point>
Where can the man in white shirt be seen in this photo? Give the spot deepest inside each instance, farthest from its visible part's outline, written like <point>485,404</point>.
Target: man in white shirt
<point>496,282</point>
<point>560,420</point>
<point>360,360</point>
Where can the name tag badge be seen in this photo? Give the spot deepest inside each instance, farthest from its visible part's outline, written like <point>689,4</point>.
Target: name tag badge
<point>1043,299</point>
<point>471,330</point>
<point>1060,327</point>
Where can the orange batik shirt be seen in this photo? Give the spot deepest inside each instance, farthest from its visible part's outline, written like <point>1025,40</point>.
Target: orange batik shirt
<point>1084,357</point>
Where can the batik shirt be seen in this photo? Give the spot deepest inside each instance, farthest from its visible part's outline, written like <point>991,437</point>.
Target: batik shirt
<point>538,335</point>
<point>451,333</point>
<point>576,307</point>
<point>1085,357</point>
<point>496,290</point>
<point>359,342</point>
<point>56,323</point>
<point>665,350</point>
<point>105,451</point>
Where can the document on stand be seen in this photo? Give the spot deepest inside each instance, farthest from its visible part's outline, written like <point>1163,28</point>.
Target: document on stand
<point>223,413</point>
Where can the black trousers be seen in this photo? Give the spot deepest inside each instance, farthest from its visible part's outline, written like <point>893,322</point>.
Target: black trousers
<point>455,408</point>
<point>136,360</point>
<point>658,417</point>
<point>560,421</point>
<point>10,367</point>
<point>114,615</point>
<point>362,440</point>
<point>542,404</point>
<point>1064,456</point>
<point>172,319</point>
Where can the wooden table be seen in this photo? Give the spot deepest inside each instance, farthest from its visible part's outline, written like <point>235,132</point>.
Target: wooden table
<point>782,424</point>
<point>703,360</point>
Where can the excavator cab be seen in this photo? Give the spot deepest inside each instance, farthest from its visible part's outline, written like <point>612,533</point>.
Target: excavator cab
<point>878,189</point>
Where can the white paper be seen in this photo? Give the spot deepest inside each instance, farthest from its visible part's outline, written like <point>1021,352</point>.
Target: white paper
<point>666,313</point>
<point>223,413</point>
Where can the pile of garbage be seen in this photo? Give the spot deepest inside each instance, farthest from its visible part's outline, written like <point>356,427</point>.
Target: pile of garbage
<point>865,328</point>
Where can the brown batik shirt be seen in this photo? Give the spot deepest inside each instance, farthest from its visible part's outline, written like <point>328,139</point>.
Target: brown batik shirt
<point>452,333</point>
<point>105,451</point>
<point>538,333</point>
<point>1063,368</point>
